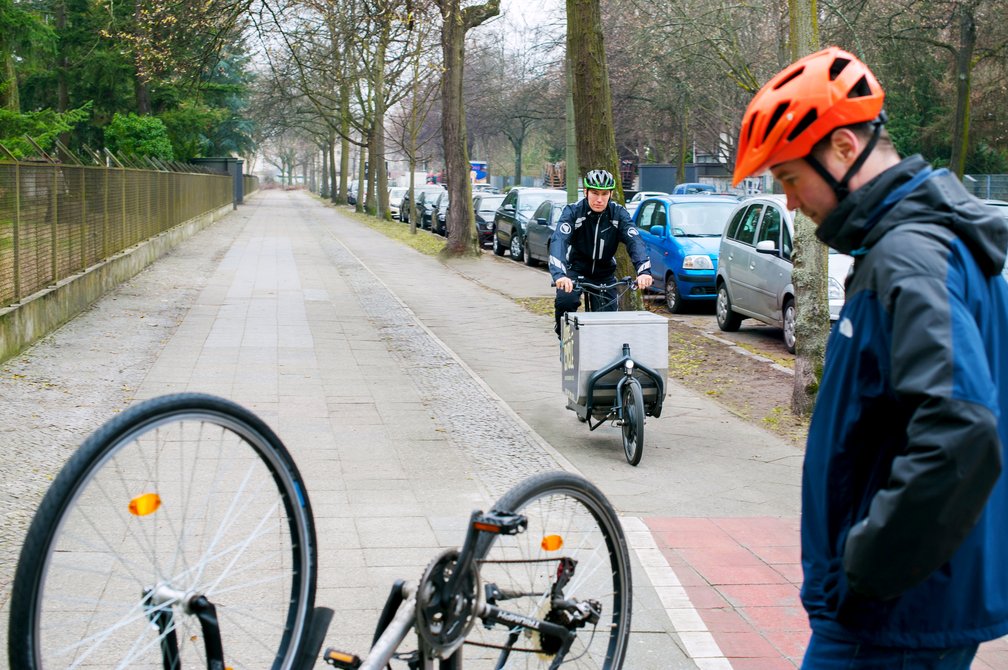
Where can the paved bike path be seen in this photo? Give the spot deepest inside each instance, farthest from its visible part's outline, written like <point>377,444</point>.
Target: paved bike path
<point>405,390</point>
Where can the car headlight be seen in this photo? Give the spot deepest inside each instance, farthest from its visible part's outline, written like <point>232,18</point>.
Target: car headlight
<point>697,263</point>
<point>836,291</point>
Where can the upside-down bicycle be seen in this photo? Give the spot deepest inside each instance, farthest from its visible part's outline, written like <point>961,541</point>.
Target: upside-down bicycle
<point>180,534</point>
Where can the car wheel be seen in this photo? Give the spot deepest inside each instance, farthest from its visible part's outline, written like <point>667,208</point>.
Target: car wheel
<point>790,337</point>
<point>673,301</point>
<point>727,320</point>
<point>498,248</point>
<point>529,261</point>
<point>517,251</point>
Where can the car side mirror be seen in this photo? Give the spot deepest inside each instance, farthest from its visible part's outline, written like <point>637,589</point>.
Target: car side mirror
<point>657,231</point>
<point>541,221</point>
<point>766,247</point>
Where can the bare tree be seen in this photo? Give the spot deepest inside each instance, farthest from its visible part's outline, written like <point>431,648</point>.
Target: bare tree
<point>456,22</point>
<point>593,117</point>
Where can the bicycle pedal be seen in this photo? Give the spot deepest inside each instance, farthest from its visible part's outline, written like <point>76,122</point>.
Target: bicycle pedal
<point>341,659</point>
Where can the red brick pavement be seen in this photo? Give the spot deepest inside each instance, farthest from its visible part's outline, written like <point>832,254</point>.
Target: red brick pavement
<point>742,576</point>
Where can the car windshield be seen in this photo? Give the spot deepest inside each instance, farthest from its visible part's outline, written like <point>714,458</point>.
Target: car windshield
<point>490,204</point>
<point>533,200</point>
<point>700,219</point>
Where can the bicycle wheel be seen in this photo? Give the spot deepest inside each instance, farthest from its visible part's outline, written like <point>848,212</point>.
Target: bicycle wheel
<point>568,518</point>
<point>179,495</point>
<point>633,421</point>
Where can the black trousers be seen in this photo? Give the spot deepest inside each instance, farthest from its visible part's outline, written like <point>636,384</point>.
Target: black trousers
<point>570,302</point>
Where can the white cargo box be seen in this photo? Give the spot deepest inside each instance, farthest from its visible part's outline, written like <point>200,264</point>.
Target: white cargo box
<point>594,340</point>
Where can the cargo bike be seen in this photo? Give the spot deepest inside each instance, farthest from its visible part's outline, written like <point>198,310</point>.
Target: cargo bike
<point>614,364</point>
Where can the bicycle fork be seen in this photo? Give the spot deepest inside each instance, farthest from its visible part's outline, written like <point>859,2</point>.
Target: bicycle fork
<point>158,604</point>
<point>628,373</point>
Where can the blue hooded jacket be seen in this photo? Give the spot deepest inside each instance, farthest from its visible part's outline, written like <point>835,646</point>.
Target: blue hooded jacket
<point>904,507</point>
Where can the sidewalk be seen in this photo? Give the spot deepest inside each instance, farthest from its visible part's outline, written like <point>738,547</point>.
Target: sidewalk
<point>410,392</point>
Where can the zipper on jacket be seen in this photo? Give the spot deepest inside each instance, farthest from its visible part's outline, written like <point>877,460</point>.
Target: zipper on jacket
<point>596,247</point>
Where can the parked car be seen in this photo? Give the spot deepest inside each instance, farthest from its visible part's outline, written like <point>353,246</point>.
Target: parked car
<point>540,230</point>
<point>404,205</point>
<point>513,215</point>
<point>1001,206</point>
<point>484,207</point>
<point>439,214</point>
<point>754,269</point>
<point>425,206</point>
<point>639,197</point>
<point>395,196</point>
<point>692,187</point>
<point>484,188</point>
<point>682,233</point>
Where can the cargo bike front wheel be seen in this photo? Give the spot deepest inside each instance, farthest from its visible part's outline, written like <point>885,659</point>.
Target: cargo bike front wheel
<point>632,420</point>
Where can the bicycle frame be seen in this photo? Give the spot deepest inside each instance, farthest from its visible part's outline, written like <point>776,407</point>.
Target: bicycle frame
<point>400,613</point>
<point>629,365</point>
<point>596,293</point>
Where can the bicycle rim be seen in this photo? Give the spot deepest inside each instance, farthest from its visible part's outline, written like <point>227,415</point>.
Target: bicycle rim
<point>187,494</point>
<point>568,517</point>
<point>633,421</point>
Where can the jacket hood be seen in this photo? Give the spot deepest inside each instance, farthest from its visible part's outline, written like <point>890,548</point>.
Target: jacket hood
<point>911,192</point>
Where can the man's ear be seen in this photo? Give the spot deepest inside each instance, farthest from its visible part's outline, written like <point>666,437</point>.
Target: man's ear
<point>845,145</point>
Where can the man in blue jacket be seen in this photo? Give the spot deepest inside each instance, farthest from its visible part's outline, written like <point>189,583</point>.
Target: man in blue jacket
<point>904,505</point>
<point>585,242</point>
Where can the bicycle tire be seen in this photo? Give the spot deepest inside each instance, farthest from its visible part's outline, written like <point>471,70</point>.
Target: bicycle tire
<point>566,506</point>
<point>633,421</point>
<point>234,523</point>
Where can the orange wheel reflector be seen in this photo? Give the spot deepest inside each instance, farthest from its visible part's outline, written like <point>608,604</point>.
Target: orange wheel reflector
<point>145,504</point>
<point>552,542</point>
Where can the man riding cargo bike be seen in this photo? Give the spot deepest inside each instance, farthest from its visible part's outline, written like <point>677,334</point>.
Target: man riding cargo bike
<point>602,379</point>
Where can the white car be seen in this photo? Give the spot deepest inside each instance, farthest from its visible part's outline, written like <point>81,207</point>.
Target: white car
<point>754,268</point>
<point>639,197</point>
<point>395,196</point>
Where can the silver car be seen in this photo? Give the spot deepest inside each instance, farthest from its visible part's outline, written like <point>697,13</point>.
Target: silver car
<point>754,268</point>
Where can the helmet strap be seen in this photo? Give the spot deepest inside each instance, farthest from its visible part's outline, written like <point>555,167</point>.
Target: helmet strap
<point>841,188</point>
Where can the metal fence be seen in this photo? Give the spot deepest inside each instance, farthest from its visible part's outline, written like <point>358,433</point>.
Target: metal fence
<point>57,220</point>
<point>988,186</point>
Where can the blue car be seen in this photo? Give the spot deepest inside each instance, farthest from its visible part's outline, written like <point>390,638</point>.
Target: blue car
<point>682,234</point>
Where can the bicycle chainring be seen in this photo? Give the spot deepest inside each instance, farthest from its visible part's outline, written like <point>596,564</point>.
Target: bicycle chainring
<point>444,624</point>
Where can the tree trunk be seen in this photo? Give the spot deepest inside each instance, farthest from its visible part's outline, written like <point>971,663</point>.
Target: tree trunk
<point>324,186</point>
<point>9,98</point>
<point>683,148</point>
<point>593,118</point>
<point>344,143</point>
<point>361,176</point>
<point>810,257</point>
<point>518,145</point>
<point>571,171</point>
<point>140,90</point>
<point>455,23</point>
<point>378,177</point>
<point>333,189</point>
<point>964,85</point>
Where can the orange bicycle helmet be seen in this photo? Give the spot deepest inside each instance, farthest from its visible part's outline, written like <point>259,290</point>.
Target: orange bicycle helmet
<point>804,103</point>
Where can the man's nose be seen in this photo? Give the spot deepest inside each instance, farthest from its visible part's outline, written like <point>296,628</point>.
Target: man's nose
<point>793,202</point>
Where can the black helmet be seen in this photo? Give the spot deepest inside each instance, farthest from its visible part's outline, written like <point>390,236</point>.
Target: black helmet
<point>600,180</point>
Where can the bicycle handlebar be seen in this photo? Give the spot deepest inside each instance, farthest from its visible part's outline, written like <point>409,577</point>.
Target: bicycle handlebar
<point>625,281</point>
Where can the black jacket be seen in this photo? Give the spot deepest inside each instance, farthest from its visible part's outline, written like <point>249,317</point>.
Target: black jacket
<point>585,242</point>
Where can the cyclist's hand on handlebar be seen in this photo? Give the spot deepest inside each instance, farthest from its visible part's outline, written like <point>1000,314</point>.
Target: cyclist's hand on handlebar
<point>565,284</point>
<point>644,281</point>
